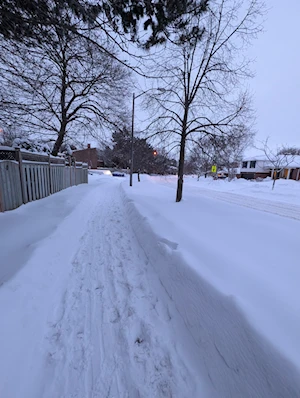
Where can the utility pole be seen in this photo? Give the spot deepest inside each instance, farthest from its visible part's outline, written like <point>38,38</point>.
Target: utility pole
<point>132,138</point>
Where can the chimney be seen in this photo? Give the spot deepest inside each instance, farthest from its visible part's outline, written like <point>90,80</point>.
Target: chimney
<point>89,145</point>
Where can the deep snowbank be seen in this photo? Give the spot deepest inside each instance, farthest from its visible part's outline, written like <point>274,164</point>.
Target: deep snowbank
<point>244,253</point>
<point>237,361</point>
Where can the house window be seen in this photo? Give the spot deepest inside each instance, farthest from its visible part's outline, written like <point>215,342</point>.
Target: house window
<point>252,164</point>
<point>245,165</point>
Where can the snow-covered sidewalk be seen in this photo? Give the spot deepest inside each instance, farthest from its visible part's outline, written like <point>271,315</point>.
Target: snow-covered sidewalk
<point>123,293</point>
<point>87,316</point>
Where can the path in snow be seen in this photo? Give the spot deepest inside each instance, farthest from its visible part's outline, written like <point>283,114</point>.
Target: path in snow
<point>111,335</point>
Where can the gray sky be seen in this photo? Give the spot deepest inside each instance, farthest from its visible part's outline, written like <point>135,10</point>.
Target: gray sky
<point>276,86</point>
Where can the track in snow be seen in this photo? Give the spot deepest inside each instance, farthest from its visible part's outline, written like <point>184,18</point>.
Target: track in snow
<point>105,339</point>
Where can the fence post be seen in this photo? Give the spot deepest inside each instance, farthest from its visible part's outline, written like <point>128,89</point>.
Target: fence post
<point>22,176</point>
<point>70,168</point>
<point>1,201</point>
<point>50,176</point>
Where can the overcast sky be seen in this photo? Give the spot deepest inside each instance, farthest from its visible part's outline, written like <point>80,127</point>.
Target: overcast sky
<point>276,86</point>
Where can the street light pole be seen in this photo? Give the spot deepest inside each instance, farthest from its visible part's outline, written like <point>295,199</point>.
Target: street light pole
<point>132,137</point>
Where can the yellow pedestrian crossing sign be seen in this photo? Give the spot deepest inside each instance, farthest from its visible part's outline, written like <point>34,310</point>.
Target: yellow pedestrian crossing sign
<point>214,169</point>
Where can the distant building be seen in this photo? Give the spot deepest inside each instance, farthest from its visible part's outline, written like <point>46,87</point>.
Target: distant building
<point>291,171</point>
<point>89,156</point>
<point>261,167</point>
<point>255,167</point>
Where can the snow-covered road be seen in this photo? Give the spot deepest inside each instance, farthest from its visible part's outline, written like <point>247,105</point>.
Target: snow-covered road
<point>109,301</point>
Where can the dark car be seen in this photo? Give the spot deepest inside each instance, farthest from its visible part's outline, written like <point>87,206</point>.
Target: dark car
<point>118,174</point>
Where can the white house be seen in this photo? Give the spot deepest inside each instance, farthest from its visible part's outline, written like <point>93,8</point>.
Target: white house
<point>261,167</point>
<point>255,167</point>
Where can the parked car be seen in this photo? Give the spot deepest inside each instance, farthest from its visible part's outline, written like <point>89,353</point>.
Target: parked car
<point>221,175</point>
<point>118,173</point>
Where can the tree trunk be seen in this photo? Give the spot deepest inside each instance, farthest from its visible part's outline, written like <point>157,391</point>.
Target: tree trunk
<point>274,178</point>
<point>63,123</point>
<point>180,167</point>
<point>59,141</point>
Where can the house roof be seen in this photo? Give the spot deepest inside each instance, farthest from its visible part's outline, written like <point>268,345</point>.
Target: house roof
<point>293,162</point>
<point>257,157</point>
<point>84,150</point>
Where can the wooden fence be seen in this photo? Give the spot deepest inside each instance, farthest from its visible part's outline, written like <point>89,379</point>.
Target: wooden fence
<point>25,176</point>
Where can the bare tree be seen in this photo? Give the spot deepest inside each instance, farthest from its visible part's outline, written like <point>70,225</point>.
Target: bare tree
<point>201,72</point>
<point>230,148</point>
<point>224,151</point>
<point>289,150</point>
<point>202,156</point>
<point>63,86</point>
<point>278,159</point>
<point>125,24</point>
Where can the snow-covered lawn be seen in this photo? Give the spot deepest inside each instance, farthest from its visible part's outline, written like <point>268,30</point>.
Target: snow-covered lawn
<point>284,200</point>
<point>287,191</point>
<point>111,291</point>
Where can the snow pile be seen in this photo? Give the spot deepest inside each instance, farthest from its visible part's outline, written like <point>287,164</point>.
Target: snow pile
<point>31,145</point>
<point>227,274</point>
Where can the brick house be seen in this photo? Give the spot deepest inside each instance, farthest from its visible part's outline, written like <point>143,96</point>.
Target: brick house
<point>90,156</point>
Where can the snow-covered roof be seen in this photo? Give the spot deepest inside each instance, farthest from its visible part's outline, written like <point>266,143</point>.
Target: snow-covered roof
<point>257,157</point>
<point>294,163</point>
<point>291,161</point>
